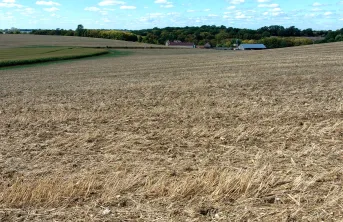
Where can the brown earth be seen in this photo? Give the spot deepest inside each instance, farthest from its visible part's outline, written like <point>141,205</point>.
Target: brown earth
<point>175,135</point>
<point>10,41</point>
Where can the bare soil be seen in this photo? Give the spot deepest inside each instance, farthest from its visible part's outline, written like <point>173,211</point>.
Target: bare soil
<point>20,40</point>
<point>175,135</point>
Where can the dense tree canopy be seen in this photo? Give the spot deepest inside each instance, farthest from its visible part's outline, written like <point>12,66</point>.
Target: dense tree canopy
<point>93,33</point>
<point>221,35</point>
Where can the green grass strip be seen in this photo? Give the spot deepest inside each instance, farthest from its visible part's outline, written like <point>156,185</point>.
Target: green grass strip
<point>26,56</point>
<point>47,59</point>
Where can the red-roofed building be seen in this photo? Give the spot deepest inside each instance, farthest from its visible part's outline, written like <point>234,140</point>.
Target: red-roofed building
<point>180,44</point>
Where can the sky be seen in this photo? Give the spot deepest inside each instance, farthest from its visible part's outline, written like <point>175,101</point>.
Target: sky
<point>142,14</point>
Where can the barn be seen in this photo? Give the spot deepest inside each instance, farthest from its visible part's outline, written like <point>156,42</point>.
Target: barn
<point>252,47</point>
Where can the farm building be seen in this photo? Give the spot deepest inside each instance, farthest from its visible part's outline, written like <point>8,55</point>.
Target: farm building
<point>180,44</point>
<point>207,46</point>
<point>25,31</point>
<point>252,47</point>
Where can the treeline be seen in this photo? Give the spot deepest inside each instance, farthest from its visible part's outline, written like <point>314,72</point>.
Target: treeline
<point>221,34</point>
<point>273,36</point>
<point>333,36</point>
<point>92,33</point>
<point>281,42</point>
<point>63,32</point>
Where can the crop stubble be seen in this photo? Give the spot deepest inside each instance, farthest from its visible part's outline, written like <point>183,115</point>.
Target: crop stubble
<point>174,136</point>
<point>22,40</point>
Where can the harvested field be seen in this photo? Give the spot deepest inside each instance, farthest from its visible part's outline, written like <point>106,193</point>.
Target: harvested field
<point>10,41</point>
<point>189,135</point>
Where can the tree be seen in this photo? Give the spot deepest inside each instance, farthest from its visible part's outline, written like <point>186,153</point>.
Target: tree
<point>58,31</point>
<point>14,30</point>
<point>339,38</point>
<point>79,30</point>
<point>265,34</point>
<point>307,32</point>
<point>222,37</point>
<point>292,31</point>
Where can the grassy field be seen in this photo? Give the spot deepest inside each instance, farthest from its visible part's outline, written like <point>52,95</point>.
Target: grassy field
<point>175,135</point>
<point>10,41</point>
<point>30,55</point>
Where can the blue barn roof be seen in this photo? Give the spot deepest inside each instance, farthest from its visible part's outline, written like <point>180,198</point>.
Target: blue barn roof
<point>252,46</point>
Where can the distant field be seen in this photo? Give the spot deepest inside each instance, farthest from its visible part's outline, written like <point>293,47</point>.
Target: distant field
<point>9,41</point>
<point>175,135</point>
<point>22,56</point>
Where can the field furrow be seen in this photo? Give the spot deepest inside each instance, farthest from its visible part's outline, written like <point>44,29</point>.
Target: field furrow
<point>175,135</point>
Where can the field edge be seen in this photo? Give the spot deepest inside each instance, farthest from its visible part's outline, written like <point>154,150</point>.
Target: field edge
<point>11,63</point>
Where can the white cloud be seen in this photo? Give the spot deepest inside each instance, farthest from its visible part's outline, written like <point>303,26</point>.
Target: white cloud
<point>111,2</point>
<point>237,2</point>
<point>263,1</point>
<point>274,12</point>
<point>102,11</point>
<point>10,4</point>
<point>52,9</point>
<point>152,17</point>
<point>26,11</point>
<point>190,10</point>
<point>268,5</point>
<point>155,15</point>
<point>128,7</point>
<point>240,15</point>
<point>316,4</point>
<point>207,10</point>
<point>167,6</point>
<point>231,7</point>
<point>49,3</point>
<point>312,15</point>
<point>164,3</point>
<point>328,13</point>
<point>92,9</point>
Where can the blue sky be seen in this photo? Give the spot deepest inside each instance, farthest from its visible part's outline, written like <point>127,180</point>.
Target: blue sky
<point>140,14</point>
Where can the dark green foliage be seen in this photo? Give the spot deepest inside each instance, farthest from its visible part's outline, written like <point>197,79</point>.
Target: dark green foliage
<point>339,38</point>
<point>223,36</point>
<point>13,30</point>
<point>80,30</point>
<point>277,42</point>
<point>93,33</point>
<point>215,35</point>
<point>333,36</point>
